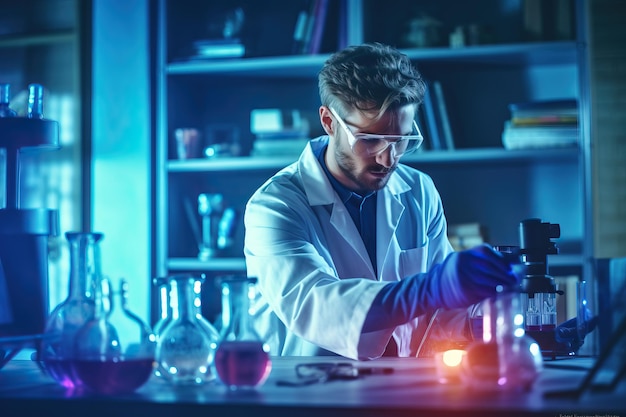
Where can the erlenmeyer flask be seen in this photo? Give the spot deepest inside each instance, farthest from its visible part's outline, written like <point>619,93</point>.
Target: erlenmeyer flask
<point>56,352</point>
<point>186,346</point>
<point>242,358</point>
<point>114,351</point>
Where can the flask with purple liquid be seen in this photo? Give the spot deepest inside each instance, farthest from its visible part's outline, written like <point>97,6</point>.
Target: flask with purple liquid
<point>56,352</point>
<point>114,351</point>
<point>242,359</point>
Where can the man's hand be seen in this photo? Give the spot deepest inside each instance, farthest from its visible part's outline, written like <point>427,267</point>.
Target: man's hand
<point>572,335</point>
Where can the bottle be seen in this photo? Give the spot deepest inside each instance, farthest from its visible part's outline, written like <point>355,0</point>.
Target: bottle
<point>186,346</point>
<point>35,101</point>
<point>114,351</point>
<point>5,100</point>
<point>506,359</point>
<point>242,359</point>
<point>56,351</point>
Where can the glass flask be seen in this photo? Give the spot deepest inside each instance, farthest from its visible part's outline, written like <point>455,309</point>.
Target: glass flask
<point>56,351</point>
<point>506,359</point>
<point>114,351</point>
<point>242,359</point>
<point>186,345</point>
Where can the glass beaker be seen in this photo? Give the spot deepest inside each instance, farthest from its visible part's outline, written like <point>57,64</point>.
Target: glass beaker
<point>56,352</point>
<point>506,358</point>
<point>186,346</point>
<point>242,359</point>
<point>114,351</point>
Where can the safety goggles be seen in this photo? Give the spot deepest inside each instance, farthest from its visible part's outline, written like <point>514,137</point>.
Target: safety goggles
<point>370,144</point>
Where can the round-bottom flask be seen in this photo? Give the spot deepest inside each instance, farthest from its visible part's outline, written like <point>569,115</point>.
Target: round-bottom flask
<point>242,359</point>
<point>56,352</point>
<point>186,345</point>
<point>114,351</point>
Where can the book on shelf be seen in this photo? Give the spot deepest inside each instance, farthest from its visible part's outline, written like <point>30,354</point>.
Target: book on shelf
<point>321,10</point>
<point>545,111</point>
<point>444,120</point>
<point>431,134</point>
<point>218,48</point>
<point>435,114</point>
<point>516,137</point>
<point>278,146</point>
<point>309,28</point>
<point>466,235</point>
<point>541,124</point>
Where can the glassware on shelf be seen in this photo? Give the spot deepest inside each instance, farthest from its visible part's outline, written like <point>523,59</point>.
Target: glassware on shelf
<point>242,358</point>
<point>506,359</point>
<point>56,351</point>
<point>115,350</point>
<point>186,345</point>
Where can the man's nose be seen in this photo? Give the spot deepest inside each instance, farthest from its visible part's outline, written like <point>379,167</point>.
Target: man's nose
<point>387,158</point>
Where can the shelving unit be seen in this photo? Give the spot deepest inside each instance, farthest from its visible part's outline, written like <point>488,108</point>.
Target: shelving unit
<point>480,181</point>
<point>40,42</point>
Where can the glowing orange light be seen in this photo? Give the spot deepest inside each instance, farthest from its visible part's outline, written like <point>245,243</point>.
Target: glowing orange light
<point>453,357</point>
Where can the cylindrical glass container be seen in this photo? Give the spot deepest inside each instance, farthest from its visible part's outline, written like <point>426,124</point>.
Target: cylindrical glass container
<point>56,351</point>
<point>506,359</point>
<point>186,346</point>
<point>242,359</point>
<point>114,351</point>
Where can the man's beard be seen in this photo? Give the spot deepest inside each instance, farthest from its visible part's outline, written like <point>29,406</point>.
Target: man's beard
<point>364,185</point>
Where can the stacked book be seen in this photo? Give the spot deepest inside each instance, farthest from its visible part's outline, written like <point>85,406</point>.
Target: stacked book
<point>541,124</point>
<point>466,235</point>
<point>278,132</point>
<point>218,48</point>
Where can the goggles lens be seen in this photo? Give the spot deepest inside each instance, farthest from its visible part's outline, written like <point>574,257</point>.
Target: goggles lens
<point>369,144</point>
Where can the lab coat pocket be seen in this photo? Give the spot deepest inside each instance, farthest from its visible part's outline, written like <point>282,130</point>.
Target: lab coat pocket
<point>413,261</point>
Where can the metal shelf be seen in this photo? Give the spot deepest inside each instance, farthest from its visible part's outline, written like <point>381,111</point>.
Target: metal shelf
<point>540,53</point>
<point>215,264</point>
<point>478,155</point>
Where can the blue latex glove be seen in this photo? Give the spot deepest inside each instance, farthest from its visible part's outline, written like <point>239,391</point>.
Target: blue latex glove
<point>572,336</point>
<point>462,279</point>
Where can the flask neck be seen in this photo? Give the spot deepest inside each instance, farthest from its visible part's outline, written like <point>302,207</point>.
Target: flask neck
<point>84,263</point>
<point>183,298</point>
<point>236,320</point>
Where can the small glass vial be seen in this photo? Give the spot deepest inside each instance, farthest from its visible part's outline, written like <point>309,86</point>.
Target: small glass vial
<point>5,97</point>
<point>186,345</point>
<point>242,359</point>
<point>35,101</point>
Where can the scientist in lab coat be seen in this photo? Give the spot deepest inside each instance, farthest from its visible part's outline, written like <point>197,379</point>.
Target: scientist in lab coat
<point>350,247</point>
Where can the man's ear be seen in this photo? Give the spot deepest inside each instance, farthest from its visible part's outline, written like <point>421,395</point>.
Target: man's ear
<point>326,118</point>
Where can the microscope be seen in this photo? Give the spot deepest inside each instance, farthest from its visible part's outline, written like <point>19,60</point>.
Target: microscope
<point>24,232</point>
<point>538,289</point>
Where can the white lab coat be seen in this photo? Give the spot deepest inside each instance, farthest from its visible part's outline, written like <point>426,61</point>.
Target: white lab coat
<point>316,281</point>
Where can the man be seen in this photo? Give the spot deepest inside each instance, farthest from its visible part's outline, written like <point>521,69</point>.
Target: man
<point>349,246</point>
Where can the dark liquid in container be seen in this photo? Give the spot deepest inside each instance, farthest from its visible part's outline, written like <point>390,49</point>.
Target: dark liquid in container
<point>111,377</point>
<point>242,364</point>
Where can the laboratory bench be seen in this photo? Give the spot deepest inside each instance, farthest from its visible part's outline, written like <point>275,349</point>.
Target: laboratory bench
<point>402,387</point>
